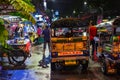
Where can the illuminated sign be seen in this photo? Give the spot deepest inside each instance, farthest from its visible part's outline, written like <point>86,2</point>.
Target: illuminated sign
<point>70,53</point>
<point>5,8</point>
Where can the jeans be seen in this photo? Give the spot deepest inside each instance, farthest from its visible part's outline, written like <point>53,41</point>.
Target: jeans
<point>93,46</point>
<point>48,45</point>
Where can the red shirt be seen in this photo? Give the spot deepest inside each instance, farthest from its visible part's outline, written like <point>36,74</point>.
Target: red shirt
<point>92,32</point>
<point>39,31</point>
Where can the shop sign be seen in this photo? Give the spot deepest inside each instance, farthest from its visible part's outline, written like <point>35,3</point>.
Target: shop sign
<point>5,8</point>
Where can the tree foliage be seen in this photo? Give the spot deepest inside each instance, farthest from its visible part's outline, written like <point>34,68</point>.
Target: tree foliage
<point>3,34</point>
<point>23,7</point>
<point>38,5</point>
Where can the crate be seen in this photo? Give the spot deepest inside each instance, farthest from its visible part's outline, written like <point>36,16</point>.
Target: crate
<point>79,45</point>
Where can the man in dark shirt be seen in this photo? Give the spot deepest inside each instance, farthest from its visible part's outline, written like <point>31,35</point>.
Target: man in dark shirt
<point>46,36</point>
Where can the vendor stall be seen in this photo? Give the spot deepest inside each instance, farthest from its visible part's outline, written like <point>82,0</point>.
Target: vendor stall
<point>20,50</point>
<point>110,57</point>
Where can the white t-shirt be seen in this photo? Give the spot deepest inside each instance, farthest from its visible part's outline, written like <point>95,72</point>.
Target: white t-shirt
<point>96,39</point>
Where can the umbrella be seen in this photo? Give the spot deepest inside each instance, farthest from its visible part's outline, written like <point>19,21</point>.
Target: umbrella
<point>106,25</point>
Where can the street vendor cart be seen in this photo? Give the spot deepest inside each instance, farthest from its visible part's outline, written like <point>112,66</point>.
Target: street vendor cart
<point>110,56</point>
<point>20,50</point>
<point>69,43</point>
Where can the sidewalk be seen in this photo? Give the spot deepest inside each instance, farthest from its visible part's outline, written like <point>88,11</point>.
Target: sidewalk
<point>32,71</point>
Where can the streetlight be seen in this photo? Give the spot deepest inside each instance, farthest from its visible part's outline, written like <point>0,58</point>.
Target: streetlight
<point>52,13</point>
<point>85,3</point>
<point>101,10</point>
<point>100,15</point>
<point>45,5</point>
<point>74,12</point>
<point>52,10</point>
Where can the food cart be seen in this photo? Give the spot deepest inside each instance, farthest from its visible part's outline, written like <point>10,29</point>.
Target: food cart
<point>69,49</point>
<point>20,50</point>
<point>110,56</point>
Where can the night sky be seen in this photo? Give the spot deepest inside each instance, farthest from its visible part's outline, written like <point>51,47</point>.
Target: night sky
<point>66,7</point>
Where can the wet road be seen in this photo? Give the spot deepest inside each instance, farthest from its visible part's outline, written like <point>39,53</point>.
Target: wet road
<point>29,70</point>
<point>93,73</point>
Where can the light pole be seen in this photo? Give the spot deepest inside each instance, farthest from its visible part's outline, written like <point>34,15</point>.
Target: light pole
<point>45,5</point>
<point>85,5</point>
<point>101,9</point>
<point>52,13</point>
<point>74,12</point>
<point>100,16</point>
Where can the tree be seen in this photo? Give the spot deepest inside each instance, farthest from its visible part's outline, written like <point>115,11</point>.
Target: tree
<point>38,5</point>
<point>3,34</point>
<point>23,7</point>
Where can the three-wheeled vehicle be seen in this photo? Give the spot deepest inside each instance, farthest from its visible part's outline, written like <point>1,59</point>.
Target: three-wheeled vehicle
<point>69,43</point>
<point>110,57</point>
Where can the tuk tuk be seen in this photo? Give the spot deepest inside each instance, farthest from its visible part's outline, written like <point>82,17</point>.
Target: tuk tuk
<point>69,43</point>
<point>110,56</point>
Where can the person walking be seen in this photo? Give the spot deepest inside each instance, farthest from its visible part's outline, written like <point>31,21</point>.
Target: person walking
<point>46,35</point>
<point>92,33</point>
<point>97,40</point>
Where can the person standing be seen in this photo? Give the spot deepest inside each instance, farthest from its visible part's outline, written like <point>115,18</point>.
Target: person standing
<point>10,32</point>
<point>21,30</point>
<point>39,31</point>
<point>46,35</point>
<point>92,33</point>
<point>16,32</point>
<point>97,41</point>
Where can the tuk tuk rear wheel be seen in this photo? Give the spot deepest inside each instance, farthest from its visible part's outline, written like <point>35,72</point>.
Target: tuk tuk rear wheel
<point>85,66</point>
<point>56,66</point>
<point>104,68</point>
<point>53,66</point>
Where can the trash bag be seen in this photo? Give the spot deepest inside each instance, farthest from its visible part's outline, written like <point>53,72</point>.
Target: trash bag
<point>48,59</point>
<point>45,60</point>
<point>40,40</point>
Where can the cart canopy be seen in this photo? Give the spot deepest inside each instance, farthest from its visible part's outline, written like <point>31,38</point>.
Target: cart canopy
<point>70,22</point>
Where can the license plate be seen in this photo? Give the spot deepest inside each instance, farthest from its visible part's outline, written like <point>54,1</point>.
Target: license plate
<point>70,62</point>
